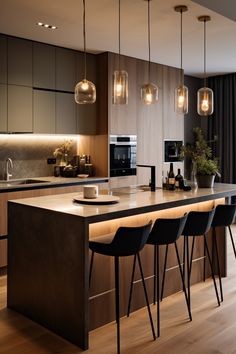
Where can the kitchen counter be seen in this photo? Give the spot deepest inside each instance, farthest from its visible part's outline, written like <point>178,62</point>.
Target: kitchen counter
<point>51,235</point>
<point>15,185</point>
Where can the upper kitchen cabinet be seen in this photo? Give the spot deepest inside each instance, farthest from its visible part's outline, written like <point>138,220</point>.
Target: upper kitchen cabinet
<point>65,113</point>
<point>65,69</point>
<point>3,108</point>
<point>3,59</point>
<point>44,117</point>
<point>88,122</point>
<point>122,118</point>
<point>44,71</point>
<point>173,122</point>
<point>19,109</point>
<point>19,62</point>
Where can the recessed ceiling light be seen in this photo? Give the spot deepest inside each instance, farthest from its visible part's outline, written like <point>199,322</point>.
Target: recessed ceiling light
<point>46,25</point>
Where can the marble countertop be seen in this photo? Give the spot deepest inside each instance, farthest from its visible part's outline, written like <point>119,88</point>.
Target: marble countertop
<point>46,182</point>
<point>130,203</point>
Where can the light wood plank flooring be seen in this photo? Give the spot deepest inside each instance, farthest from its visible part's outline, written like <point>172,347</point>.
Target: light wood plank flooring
<point>212,331</point>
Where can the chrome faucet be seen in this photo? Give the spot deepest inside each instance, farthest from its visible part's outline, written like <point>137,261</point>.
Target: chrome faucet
<point>7,173</point>
<point>152,184</point>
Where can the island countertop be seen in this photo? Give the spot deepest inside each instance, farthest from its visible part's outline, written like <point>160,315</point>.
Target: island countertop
<point>130,203</point>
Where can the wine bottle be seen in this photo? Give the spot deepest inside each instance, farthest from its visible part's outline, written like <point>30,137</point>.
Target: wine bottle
<point>171,178</point>
<point>179,180</point>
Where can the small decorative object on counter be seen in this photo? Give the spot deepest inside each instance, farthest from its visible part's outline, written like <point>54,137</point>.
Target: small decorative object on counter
<point>90,191</point>
<point>62,152</point>
<point>171,178</point>
<point>179,181</point>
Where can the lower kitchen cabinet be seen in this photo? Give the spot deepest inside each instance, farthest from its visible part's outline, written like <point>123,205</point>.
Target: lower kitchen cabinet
<point>4,197</point>
<point>20,106</point>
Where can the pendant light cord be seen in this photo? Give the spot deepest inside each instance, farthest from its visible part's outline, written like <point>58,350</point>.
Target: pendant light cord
<point>119,33</point>
<point>84,35</point>
<point>205,53</point>
<point>149,42</point>
<point>181,45</point>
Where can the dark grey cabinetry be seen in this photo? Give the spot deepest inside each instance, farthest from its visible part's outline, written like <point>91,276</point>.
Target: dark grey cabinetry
<point>3,108</point>
<point>19,62</point>
<point>19,109</point>
<point>65,113</point>
<point>65,69</point>
<point>44,118</point>
<point>3,59</point>
<point>44,74</point>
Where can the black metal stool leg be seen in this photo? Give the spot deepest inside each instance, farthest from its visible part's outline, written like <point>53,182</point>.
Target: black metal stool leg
<point>131,286</point>
<point>182,278</point>
<point>117,295</point>
<point>217,260</point>
<point>204,262</point>
<point>158,295</point>
<point>91,268</point>
<point>164,272</point>
<point>155,274</point>
<point>232,240</point>
<point>191,257</point>
<point>184,247</point>
<point>212,273</point>
<point>188,272</point>
<point>146,297</point>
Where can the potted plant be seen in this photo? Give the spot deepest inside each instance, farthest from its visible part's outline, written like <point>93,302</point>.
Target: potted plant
<point>204,167</point>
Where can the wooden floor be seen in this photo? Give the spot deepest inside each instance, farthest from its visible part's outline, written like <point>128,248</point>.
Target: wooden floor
<point>213,329</point>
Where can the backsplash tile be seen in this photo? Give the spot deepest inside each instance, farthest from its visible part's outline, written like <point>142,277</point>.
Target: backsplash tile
<point>29,154</point>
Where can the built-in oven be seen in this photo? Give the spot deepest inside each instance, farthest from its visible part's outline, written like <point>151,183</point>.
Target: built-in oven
<point>123,155</point>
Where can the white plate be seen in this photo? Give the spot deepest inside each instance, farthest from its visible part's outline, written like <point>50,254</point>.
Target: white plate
<point>101,199</point>
<point>83,176</point>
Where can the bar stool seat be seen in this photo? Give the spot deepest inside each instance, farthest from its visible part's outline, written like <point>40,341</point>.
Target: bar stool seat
<point>127,241</point>
<point>224,217</point>
<point>164,232</point>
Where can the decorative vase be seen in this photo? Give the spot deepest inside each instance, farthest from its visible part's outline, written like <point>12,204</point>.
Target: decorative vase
<point>64,159</point>
<point>205,181</point>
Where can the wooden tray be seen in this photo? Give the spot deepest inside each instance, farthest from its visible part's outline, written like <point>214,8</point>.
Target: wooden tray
<point>101,199</point>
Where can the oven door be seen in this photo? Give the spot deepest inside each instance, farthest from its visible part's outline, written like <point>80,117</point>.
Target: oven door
<point>120,156</point>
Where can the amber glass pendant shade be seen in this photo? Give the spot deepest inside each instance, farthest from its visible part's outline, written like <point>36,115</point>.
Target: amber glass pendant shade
<point>120,87</point>
<point>85,92</point>
<point>181,99</point>
<point>205,101</point>
<point>149,94</point>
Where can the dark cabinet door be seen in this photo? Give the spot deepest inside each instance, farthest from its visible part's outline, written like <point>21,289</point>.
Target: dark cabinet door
<point>3,108</point>
<point>65,113</point>
<point>65,69</point>
<point>44,66</point>
<point>19,62</point>
<point>44,112</point>
<point>3,59</point>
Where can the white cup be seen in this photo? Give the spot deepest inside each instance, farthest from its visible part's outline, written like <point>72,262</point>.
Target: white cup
<point>90,191</point>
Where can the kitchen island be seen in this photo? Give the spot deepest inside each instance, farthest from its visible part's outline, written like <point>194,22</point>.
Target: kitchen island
<point>48,255</point>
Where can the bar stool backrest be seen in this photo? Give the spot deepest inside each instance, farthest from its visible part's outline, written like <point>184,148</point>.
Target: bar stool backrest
<point>198,223</point>
<point>130,240</point>
<point>224,215</point>
<point>167,231</point>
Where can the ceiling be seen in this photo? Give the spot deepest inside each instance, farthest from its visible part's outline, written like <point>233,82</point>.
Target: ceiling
<point>19,18</point>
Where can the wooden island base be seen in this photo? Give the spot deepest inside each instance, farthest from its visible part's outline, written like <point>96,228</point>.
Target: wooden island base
<point>49,256</point>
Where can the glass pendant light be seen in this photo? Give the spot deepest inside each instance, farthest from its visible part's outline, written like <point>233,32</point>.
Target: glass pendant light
<point>120,81</point>
<point>149,91</point>
<point>85,91</point>
<point>205,97</point>
<point>181,92</point>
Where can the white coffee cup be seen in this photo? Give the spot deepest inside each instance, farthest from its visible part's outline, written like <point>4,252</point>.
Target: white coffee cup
<point>90,191</point>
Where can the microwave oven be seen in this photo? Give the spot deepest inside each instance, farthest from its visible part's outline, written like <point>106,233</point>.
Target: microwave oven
<point>123,155</point>
<point>172,150</point>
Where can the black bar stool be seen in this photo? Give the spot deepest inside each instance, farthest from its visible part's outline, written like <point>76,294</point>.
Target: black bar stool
<point>224,217</point>
<point>3,237</point>
<point>164,232</point>
<point>128,241</point>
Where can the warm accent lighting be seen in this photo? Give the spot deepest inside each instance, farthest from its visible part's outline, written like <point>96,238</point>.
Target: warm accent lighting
<point>149,91</point>
<point>46,25</point>
<point>120,80</point>
<point>181,92</point>
<point>85,91</point>
<point>205,96</point>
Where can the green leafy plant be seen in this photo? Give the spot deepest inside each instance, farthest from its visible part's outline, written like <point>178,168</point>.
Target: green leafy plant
<point>200,154</point>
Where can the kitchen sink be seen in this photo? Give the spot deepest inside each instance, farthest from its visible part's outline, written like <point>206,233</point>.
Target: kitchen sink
<point>18,182</point>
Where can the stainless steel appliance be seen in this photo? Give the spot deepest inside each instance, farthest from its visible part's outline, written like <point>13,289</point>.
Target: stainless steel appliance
<point>172,149</point>
<point>123,150</point>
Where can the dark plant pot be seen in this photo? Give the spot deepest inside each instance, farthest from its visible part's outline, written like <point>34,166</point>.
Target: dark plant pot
<point>205,181</point>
